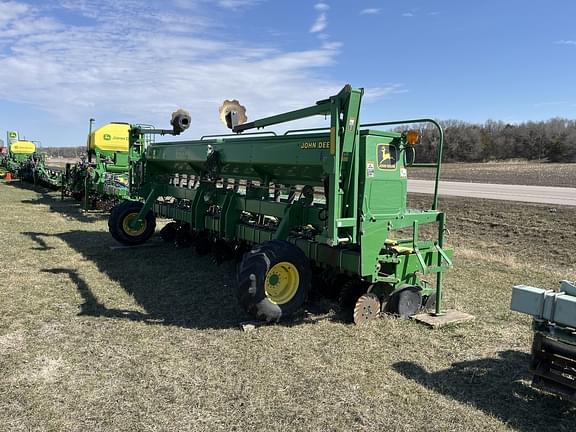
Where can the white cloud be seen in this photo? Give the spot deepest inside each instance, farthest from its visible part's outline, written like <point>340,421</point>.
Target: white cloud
<point>331,45</point>
<point>11,10</point>
<point>120,62</point>
<point>370,11</point>
<point>566,42</point>
<point>320,24</point>
<point>372,94</point>
<point>408,14</point>
<point>237,4</point>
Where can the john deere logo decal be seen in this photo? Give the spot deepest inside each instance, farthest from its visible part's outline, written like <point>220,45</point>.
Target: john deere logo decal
<point>386,156</point>
<point>107,137</point>
<point>12,134</point>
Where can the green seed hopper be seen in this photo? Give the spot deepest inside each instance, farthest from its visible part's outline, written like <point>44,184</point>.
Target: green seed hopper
<point>316,208</point>
<point>553,362</point>
<point>101,179</point>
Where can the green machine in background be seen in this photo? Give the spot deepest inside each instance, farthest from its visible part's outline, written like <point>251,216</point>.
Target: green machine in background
<point>323,207</point>
<point>25,161</point>
<point>553,362</point>
<point>18,152</point>
<point>3,156</point>
<point>101,179</point>
<point>34,170</point>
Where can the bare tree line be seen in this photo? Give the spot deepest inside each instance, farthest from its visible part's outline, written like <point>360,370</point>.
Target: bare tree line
<point>553,140</point>
<point>65,152</point>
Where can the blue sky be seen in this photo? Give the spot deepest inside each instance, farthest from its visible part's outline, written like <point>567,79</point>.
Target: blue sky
<point>64,61</point>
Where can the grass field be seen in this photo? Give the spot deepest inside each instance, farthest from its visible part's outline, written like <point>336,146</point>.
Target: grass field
<point>525,173</point>
<point>148,339</point>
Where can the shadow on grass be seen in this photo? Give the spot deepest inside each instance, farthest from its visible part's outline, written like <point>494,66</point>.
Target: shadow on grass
<point>173,286</point>
<point>494,386</point>
<point>91,305</point>
<point>68,207</point>
<point>39,240</point>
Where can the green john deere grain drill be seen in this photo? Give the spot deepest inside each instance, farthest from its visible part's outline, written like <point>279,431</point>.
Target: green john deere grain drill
<point>325,202</point>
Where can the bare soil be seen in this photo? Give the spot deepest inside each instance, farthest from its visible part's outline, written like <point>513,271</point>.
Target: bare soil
<point>522,173</point>
<point>539,233</point>
<point>59,163</point>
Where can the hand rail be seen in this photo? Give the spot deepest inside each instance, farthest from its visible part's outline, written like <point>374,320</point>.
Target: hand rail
<point>296,131</point>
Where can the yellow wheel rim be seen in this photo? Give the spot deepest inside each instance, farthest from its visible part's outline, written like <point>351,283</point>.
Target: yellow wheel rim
<point>133,232</point>
<point>282,282</point>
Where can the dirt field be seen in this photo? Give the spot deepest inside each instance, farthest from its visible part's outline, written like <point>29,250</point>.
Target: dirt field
<point>506,173</point>
<point>94,338</point>
<point>60,163</point>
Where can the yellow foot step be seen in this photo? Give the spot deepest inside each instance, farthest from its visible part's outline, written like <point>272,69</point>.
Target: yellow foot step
<point>450,317</point>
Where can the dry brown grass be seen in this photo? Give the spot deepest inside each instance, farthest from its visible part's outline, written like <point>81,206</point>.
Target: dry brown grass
<point>523,173</point>
<point>148,339</point>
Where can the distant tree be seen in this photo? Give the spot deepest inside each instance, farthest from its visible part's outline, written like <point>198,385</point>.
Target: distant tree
<point>66,152</point>
<point>553,140</point>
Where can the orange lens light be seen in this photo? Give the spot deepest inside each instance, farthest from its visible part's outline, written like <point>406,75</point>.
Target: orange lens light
<point>412,137</point>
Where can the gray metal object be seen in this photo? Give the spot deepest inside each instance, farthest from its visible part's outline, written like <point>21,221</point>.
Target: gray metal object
<point>568,287</point>
<point>558,307</point>
<point>553,362</point>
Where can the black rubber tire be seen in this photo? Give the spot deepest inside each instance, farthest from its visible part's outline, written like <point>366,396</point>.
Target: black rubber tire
<point>222,251</point>
<point>350,293</point>
<point>184,236</point>
<point>318,286</point>
<point>251,279</point>
<point>334,284</point>
<point>116,223</point>
<point>204,243</point>
<point>239,250</point>
<point>168,233</point>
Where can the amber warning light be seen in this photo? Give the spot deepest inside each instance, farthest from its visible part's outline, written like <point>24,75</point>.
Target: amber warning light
<point>412,137</point>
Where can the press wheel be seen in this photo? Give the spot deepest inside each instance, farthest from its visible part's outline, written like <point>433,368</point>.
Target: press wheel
<point>367,308</point>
